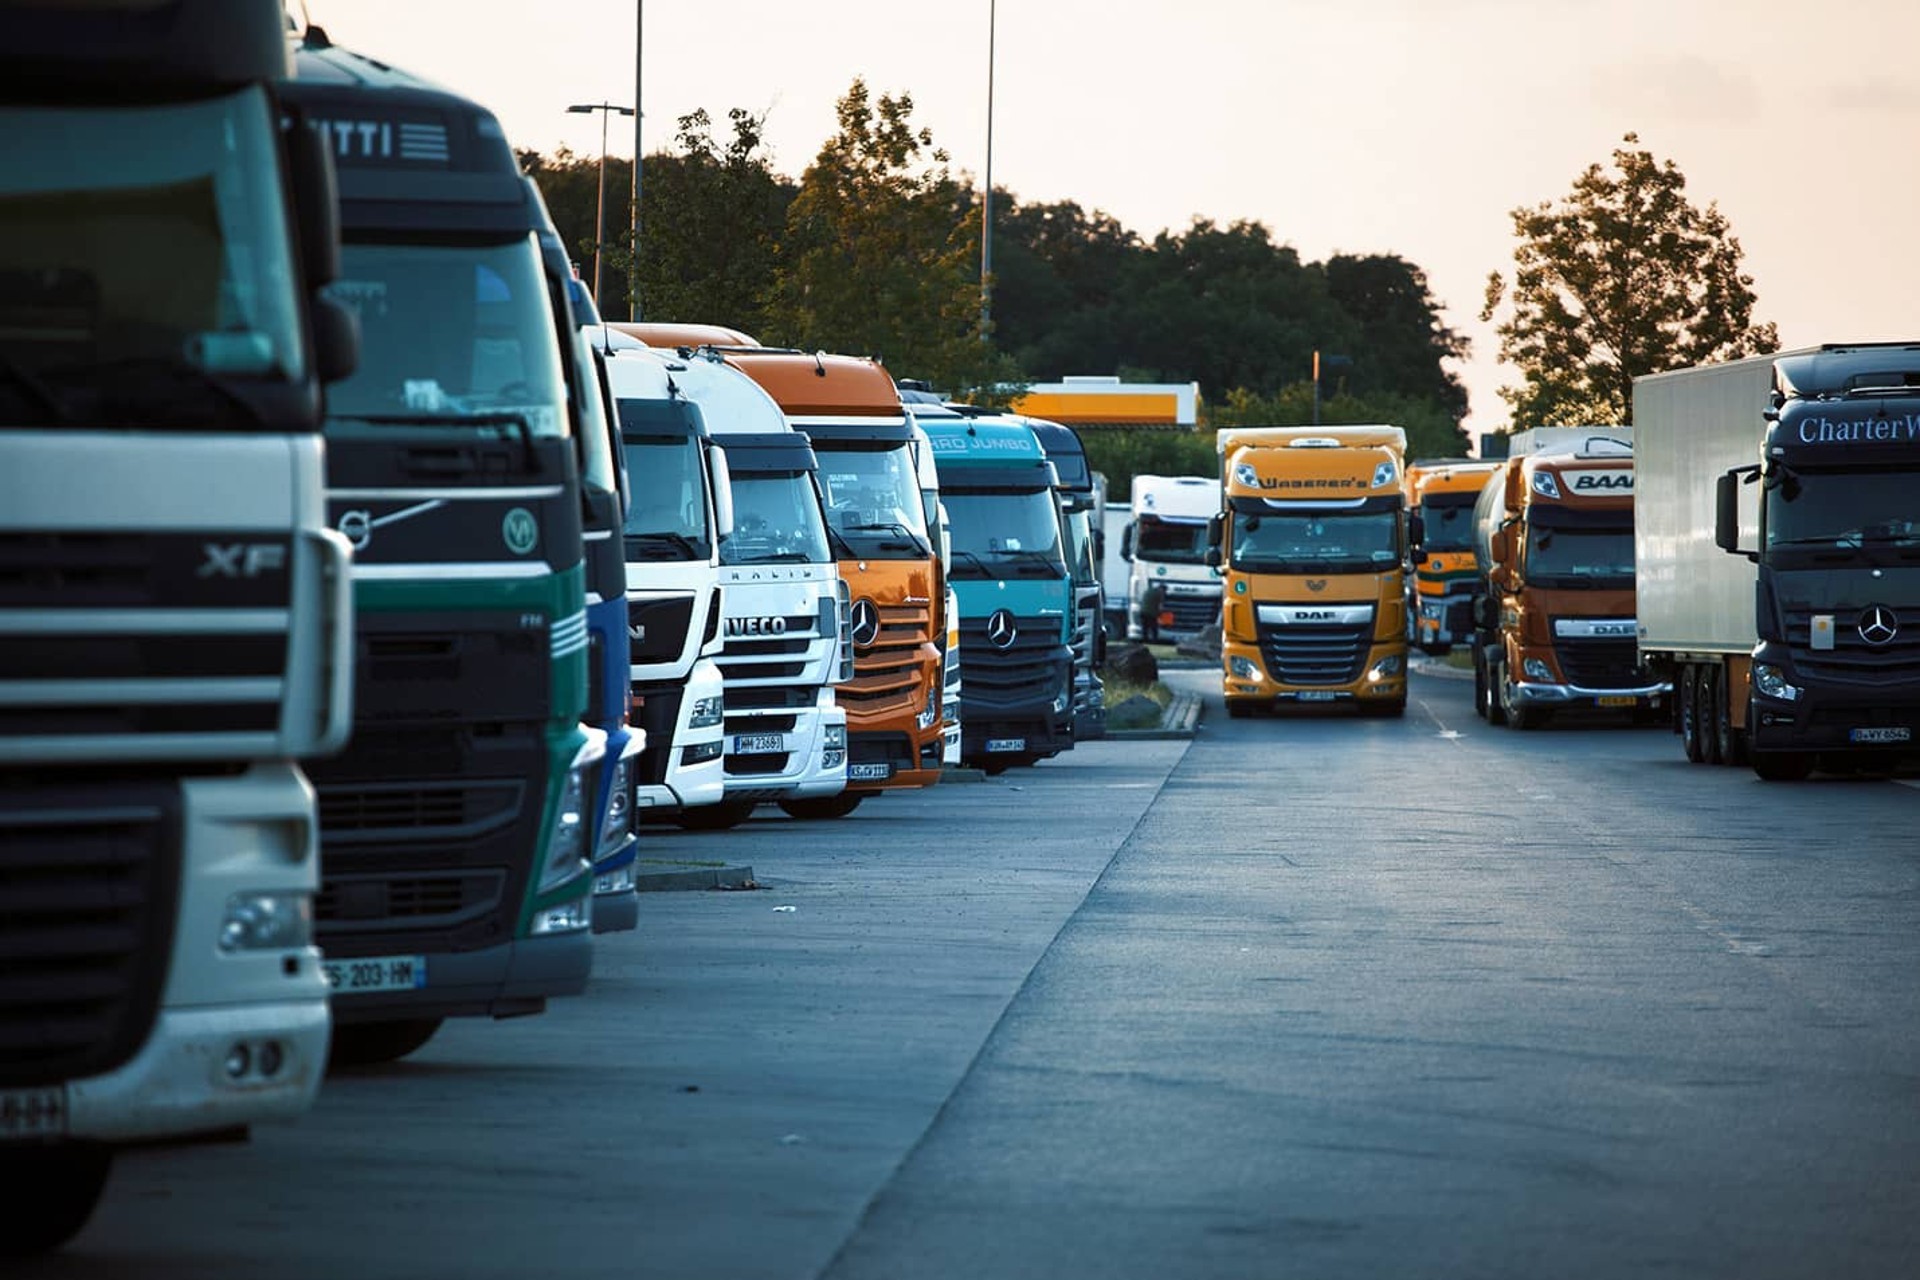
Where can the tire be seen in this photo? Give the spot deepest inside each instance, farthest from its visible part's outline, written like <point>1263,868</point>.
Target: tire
<point>1686,692</point>
<point>1707,716</point>
<point>1730,742</point>
<point>1238,710</point>
<point>822,807</point>
<point>1513,714</point>
<point>1496,677</point>
<point>1782,766</point>
<point>52,1192</point>
<point>370,1044</point>
<point>724,816</point>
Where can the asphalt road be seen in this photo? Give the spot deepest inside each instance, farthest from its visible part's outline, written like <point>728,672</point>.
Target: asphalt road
<point>1309,997</point>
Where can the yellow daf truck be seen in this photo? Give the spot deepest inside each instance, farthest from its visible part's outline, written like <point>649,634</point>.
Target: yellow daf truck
<point>1441,492</point>
<point>1311,544</point>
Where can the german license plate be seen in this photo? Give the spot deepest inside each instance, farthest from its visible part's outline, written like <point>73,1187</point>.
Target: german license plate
<point>375,973</point>
<point>1617,700</point>
<point>1879,735</point>
<point>1316,695</point>
<point>869,772</point>
<point>759,744</point>
<point>33,1113</point>
<point>1006,744</point>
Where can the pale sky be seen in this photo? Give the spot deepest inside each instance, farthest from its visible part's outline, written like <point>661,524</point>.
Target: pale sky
<point>1396,126</point>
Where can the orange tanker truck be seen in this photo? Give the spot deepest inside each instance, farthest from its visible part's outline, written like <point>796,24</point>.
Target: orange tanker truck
<point>851,411</point>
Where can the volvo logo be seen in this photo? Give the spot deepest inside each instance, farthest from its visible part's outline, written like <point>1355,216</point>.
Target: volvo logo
<point>866,623</point>
<point>1000,629</point>
<point>1879,625</point>
<point>357,528</point>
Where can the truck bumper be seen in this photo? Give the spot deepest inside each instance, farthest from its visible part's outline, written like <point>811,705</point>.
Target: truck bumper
<point>810,769</point>
<point>204,1070</point>
<point>1245,679</point>
<point>1042,733</point>
<point>1823,720</point>
<point>683,767</point>
<point>502,981</point>
<point>1567,695</point>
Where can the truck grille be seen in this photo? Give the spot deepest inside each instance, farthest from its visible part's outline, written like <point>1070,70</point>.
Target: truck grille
<point>657,710</point>
<point>87,904</point>
<point>1600,664</point>
<point>1031,669</point>
<point>1315,655</point>
<point>1191,613</point>
<point>657,629</point>
<point>1852,659</point>
<point>372,811</point>
<point>372,901</point>
<point>889,675</point>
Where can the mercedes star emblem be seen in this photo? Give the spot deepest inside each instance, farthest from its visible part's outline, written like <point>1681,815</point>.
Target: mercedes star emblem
<point>1000,629</point>
<point>1879,625</point>
<point>866,623</point>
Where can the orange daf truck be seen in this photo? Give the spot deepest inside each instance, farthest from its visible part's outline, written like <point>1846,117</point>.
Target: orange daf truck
<point>672,336</point>
<point>1311,544</point>
<point>851,411</point>
<point>1441,492</point>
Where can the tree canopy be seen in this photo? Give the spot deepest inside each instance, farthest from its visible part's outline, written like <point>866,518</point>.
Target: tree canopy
<point>1624,276</point>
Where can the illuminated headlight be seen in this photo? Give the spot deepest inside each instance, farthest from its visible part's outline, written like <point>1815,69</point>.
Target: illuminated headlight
<point>567,841</point>
<point>1772,681</point>
<point>1536,669</point>
<point>707,712</point>
<point>1243,668</point>
<point>1387,668</point>
<point>930,714</point>
<point>266,922</point>
<point>565,918</point>
<point>1059,703</point>
<point>617,824</point>
<point>1383,474</point>
<point>614,881</point>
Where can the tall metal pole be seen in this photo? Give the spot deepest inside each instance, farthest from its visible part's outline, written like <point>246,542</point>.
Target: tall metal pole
<point>600,213</point>
<point>640,47</point>
<point>986,204</point>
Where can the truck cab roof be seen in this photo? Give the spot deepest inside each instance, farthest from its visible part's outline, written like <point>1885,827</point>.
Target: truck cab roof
<point>1833,372</point>
<point>674,336</point>
<point>819,385</point>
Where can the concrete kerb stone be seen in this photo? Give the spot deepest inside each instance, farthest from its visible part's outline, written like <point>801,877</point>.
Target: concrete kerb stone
<point>1425,666</point>
<point>1179,721</point>
<point>677,879</point>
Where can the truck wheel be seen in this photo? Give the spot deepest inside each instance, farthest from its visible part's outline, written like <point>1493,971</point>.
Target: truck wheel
<point>1238,710</point>
<point>822,807</point>
<point>1686,691</point>
<point>1782,766</point>
<point>1730,742</point>
<point>1495,678</point>
<point>369,1044</point>
<point>724,816</point>
<point>53,1191</point>
<point>1707,716</point>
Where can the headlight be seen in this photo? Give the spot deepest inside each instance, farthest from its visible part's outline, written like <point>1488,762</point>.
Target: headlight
<point>567,840</point>
<point>266,922</point>
<point>1243,668</point>
<point>1386,668</point>
<point>1536,669</point>
<point>1059,703</point>
<point>619,881</point>
<point>702,752</point>
<point>617,823</point>
<point>834,737</point>
<point>568,917</point>
<point>707,712</point>
<point>1772,681</point>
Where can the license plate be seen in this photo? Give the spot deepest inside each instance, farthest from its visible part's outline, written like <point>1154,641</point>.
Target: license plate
<point>869,772</point>
<point>749,744</point>
<point>1880,735</point>
<point>1616,700</point>
<point>1006,744</point>
<point>1315,695</point>
<point>33,1113</point>
<point>375,973</point>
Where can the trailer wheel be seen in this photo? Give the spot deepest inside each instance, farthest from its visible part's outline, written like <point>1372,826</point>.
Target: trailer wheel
<point>1782,766</point>
<point>1707,715</point>
<point>369,1044</point>
<point>52,1191</point>
<point>1687,691</point>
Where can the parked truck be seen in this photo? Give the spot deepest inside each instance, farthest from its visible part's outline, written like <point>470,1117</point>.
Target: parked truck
<point>1311,541</point>
<point>456,830</point>
<point>1170,590</point>
<point>1441,493</point>
<point>1554,607</point>
<point>1777,548</point>
<point>1081,500</point>
<point>175,616</point>
<point>784,625</point>
<point>851,412</point>
<point>1014,589</point>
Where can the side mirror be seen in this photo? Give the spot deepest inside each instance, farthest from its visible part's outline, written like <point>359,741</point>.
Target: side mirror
<point>1126,542</point>
<point>1726,511</point>
<point>316,203</point>
<point>336,338</point>
<point>1214,558</point>
<point>1416,530</point>
<point>722,493</point>
<point>1216,530</point>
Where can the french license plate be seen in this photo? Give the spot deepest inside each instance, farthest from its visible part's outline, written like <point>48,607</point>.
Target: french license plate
<point>375,973</point>
<point>1315,695</point>
<point>750,744</point>
<point>1879,735</point>
<point>33,1113</point>
<point>869,772</point>
<point>1006,744</point>
<point>1616,700</point>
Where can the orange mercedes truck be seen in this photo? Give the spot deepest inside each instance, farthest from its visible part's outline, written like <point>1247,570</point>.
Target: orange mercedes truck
<point>851,411</point>
<point>1311,544</point>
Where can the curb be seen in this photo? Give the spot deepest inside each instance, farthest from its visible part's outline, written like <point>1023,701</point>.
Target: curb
<point>1179,721</point>
<point>1438,670</point>
<point>693,878</point>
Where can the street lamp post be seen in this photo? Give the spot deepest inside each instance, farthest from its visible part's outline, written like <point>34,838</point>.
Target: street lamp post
<point>639,47</point>
<point>986,203</point>
<point>606,110</point>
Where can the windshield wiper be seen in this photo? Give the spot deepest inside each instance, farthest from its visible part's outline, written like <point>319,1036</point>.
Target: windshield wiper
<point>137,376</point>
<point>892,526</point>
<point>679,540</point>
<point>974,560</point>
<point>39,392</point>
<point>518,422</point>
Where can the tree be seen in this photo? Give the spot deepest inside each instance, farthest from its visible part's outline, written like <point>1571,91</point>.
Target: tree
<point>1403,343</point>
<point>1432,429</point>
<point>1625,276</point>
<point>880,252</point>
<point>571,186</point>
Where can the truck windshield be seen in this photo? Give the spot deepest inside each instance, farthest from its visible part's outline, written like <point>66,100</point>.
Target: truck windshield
<point>1579,556</point>
<point>1316,542</point>
<point>1163,542</point>
<point>873,499</point>
<point>668,517</point>
<point>776,520</point>
<point>450,331</point>
<point>1449,524</point>
<point>92,332</point>
<point>1858,515</point>
<point>1005,534</point>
